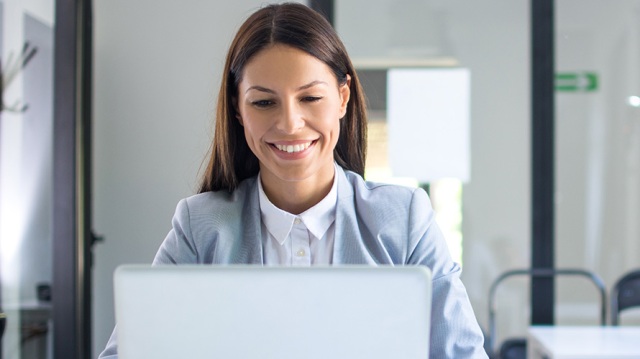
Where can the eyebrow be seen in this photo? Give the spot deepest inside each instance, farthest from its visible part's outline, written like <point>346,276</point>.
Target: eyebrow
<point>311,84</point>
<point>303,87</point>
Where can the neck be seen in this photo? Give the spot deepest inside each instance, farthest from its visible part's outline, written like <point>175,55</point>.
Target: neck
<point>297,196</point>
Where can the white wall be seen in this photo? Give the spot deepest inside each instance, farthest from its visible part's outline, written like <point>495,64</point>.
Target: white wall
<point>156,75</point>
<point>491,38</point>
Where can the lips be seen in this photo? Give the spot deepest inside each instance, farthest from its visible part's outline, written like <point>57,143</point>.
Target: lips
<point>299,147</point>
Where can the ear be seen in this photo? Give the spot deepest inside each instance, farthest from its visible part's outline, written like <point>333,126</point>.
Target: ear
<point>345,95</point>
<point>234,101</point>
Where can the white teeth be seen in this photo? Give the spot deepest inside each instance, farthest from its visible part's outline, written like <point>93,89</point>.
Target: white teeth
<point>293,148</point>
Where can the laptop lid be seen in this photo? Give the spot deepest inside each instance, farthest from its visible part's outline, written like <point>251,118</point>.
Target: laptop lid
<point>272,312</point>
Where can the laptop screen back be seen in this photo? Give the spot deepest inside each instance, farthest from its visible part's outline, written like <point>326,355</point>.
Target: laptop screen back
<point>272,312</point>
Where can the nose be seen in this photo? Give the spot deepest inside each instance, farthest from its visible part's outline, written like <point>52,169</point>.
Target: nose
<point>291,119</point>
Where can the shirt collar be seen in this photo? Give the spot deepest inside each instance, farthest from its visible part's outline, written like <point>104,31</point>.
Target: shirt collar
<point>317,219</point>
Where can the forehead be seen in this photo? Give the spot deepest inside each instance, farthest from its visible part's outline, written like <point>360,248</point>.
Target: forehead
<point>285,66</point>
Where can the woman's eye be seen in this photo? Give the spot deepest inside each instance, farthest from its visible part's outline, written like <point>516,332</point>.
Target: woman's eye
<point>311,98</point>
<point>262,103</point>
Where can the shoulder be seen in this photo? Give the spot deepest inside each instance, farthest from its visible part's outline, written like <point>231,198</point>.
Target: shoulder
<point>390,220</point>
<point>382,194</point>
<point>212,202</point>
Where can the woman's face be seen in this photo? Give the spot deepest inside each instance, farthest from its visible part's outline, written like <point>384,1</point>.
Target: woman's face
<point>290,105</point>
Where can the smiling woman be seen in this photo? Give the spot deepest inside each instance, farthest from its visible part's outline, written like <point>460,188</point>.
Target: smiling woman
<point>284,183</point>
<point>291,27</point>
<point>290,105</point>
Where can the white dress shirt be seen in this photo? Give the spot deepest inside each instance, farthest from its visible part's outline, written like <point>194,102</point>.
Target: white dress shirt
<point>298,240</point>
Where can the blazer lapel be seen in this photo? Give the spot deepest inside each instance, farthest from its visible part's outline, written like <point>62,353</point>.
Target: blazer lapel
<point>349,244</point>
<point>249,249</point>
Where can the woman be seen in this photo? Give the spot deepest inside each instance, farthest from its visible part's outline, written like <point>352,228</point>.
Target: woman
<point>284,181</point>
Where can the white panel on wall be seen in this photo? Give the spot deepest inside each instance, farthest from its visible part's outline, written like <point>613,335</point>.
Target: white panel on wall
<point>428,121</point>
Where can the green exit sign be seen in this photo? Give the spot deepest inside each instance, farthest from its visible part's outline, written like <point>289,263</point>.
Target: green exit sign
<point>576,81</point>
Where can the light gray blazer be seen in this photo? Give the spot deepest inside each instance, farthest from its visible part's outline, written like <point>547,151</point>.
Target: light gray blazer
<point>375,224</point>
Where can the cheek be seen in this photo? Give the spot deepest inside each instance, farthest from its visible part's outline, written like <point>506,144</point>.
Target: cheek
<point>252,136</point>
<point>329,115</point>
<point>329,125</point>
<point>333,121</point>
<point>252,124</point>
<point>251,133</point>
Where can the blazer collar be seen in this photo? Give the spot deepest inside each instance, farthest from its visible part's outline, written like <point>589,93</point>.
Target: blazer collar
<point>350,242</point>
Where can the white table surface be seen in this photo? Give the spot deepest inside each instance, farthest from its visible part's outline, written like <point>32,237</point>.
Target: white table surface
<point>583,342</point>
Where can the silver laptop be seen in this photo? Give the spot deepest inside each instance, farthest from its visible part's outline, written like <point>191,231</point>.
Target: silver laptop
<point>252,312</point>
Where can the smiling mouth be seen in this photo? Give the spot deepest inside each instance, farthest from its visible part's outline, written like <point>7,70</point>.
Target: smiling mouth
<point>293,148</point>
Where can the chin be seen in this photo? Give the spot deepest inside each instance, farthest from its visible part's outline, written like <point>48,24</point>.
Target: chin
<point>293,176</point>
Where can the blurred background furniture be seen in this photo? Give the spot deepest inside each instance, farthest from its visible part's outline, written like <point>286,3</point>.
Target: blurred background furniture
<point>593,342</point>
<point>3,322</point>
<point>35,320</point>
<point>625,295</point>
<point>516,348</point>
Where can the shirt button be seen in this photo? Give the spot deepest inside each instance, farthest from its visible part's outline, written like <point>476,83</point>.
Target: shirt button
<point>300,253</point>
<point>297,221</point>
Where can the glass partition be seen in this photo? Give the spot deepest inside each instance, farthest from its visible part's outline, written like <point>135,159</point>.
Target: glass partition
<point>597,137</point>
<point>597,148</point>
<point>26,176</point>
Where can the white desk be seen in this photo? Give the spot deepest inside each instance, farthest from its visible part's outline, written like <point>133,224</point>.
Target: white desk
<point>584,342</point>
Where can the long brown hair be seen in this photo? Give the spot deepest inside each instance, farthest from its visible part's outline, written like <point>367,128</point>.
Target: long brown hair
<point>296,25</point>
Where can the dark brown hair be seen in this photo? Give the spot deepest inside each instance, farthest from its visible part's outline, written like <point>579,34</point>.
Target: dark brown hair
<point>296,25</point>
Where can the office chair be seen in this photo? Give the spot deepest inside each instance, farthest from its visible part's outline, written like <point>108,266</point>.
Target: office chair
<point>625,295</point>
<point>516,348</point>
<point>513,348</point>
<point>3,322</point>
